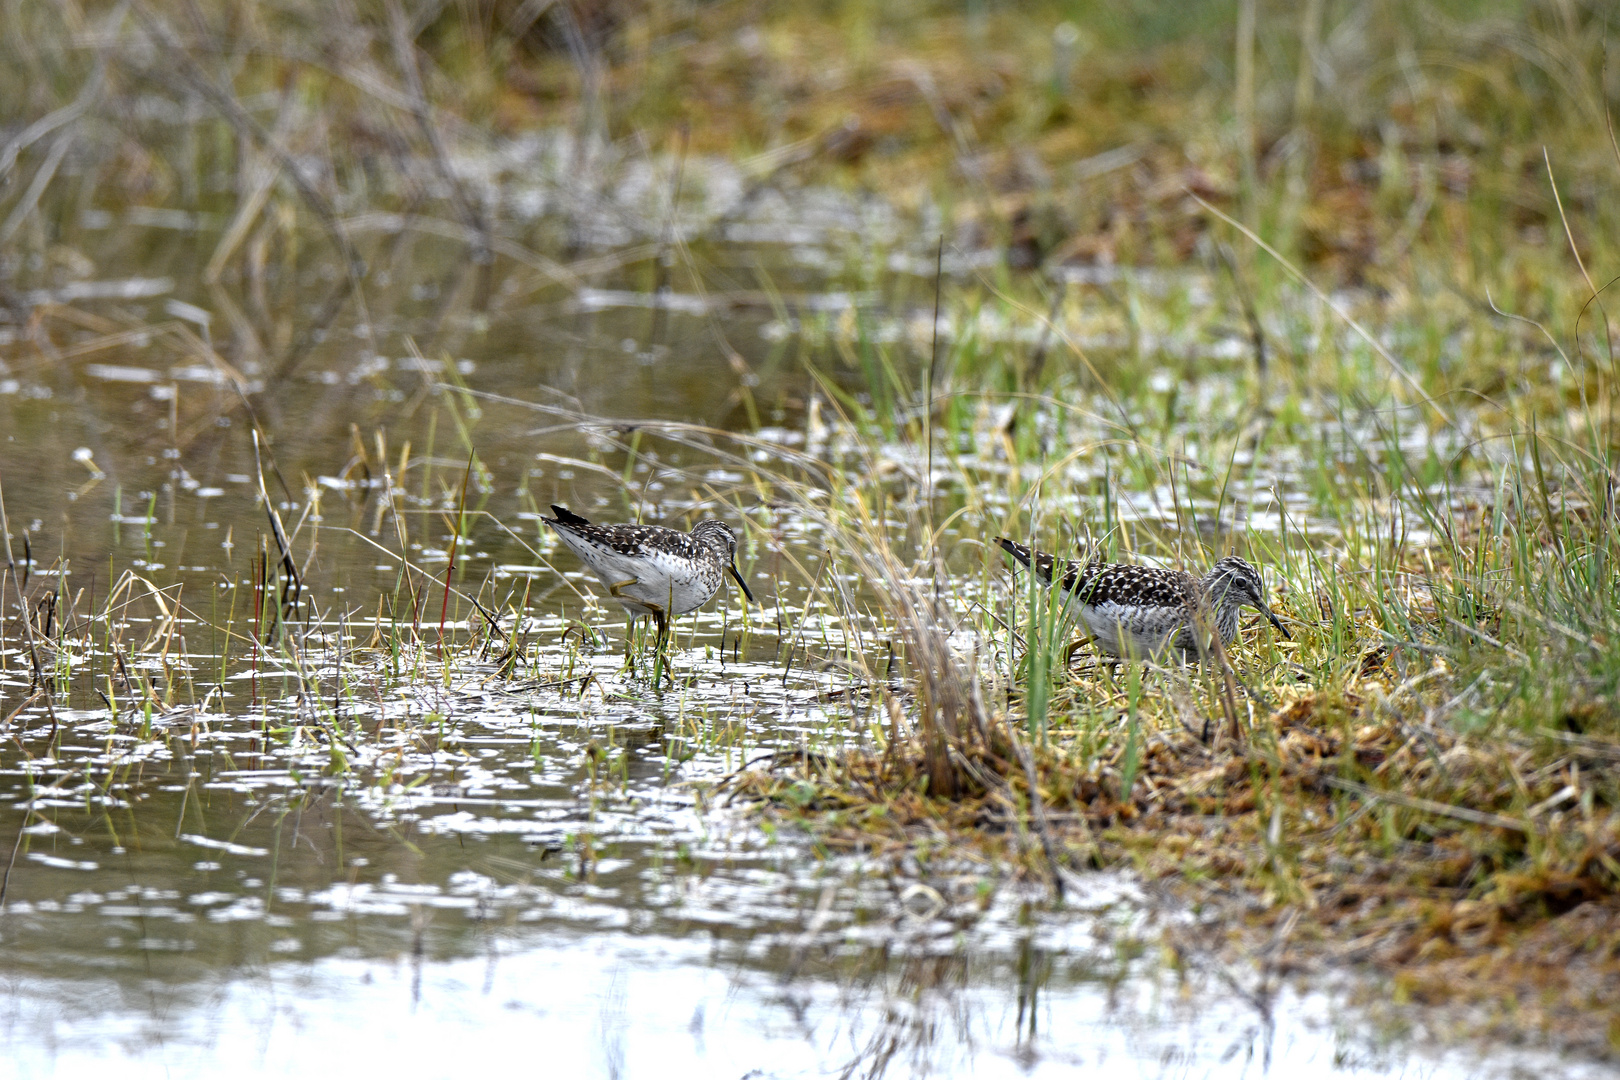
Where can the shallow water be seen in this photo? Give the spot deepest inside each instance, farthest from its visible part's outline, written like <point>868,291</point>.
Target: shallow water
<point>414,859</point>
<point>536,879</point>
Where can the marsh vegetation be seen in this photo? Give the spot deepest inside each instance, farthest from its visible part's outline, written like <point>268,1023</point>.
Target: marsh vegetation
<point>308,311</point>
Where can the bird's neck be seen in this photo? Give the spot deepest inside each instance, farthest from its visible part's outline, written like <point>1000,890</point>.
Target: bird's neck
<point>1222,605</point>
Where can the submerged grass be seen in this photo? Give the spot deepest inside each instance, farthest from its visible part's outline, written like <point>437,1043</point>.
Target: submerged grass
<point>1323,360</point>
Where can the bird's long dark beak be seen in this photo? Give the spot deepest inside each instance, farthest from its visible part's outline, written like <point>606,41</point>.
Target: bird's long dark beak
<point>741,584</point>
<point>1268,614</point>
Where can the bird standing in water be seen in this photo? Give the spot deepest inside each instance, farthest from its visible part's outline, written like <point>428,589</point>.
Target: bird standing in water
<point>651,570</point>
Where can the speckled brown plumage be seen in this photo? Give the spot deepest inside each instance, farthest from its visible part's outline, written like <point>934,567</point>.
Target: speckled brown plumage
<point>651,570</point>
<point>1140,610</point>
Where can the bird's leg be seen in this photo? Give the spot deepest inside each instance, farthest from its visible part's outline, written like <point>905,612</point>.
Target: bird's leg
<point>614,591</point>
<point>660,661</point>
<point>1074,647</point>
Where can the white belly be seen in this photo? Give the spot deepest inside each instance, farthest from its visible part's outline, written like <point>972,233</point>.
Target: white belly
<point>1130,632</point>
<point>652,585</point>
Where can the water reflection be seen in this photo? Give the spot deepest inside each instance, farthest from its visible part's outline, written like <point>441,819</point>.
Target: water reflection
<point>638,1004</point>
<point>532,877</point>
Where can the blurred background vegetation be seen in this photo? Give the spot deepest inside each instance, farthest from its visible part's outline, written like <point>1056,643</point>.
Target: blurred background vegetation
<point>1362,137</point>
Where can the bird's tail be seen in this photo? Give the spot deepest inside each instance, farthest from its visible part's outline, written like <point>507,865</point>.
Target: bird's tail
<point>566,516</point>
<point>1028,557</point>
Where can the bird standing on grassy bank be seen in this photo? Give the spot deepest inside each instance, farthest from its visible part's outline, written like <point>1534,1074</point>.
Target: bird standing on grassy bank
<point>651,570</point>
<point>1138,611</point>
